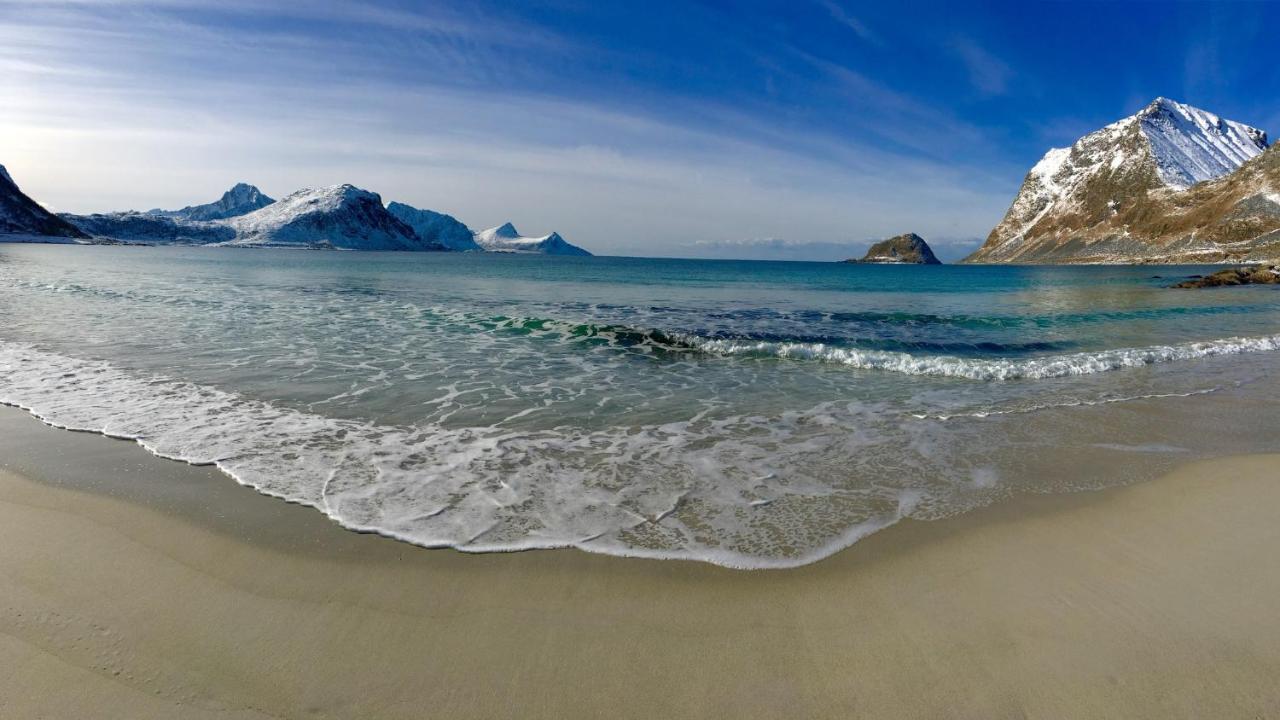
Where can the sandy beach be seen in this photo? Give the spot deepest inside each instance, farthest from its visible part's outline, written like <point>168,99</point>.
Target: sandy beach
<point>132,586</point>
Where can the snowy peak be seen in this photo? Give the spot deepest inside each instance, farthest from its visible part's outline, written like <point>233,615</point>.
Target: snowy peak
<point>505,238</point>
<point>1190,145</point>
<point>339,216</point>
<point>506,230</point>
<point>4,175</point>
<point>241,199</point>
<point>1109,175</point>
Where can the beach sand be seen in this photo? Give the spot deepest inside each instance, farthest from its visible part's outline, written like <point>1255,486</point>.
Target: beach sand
<point>136,587</point>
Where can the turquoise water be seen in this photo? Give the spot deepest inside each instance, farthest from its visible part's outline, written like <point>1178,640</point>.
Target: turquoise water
<point>750,414</point>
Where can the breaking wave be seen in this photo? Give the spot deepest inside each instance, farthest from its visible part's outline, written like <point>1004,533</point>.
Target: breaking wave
<point>1052,366</point>
<point>929,358</point>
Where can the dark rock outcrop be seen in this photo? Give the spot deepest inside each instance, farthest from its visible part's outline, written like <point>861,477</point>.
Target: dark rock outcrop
<point>1256,275</point>
<point>907,249</point>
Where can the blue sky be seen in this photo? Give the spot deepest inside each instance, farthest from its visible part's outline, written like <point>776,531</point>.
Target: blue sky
<point>788,130</point>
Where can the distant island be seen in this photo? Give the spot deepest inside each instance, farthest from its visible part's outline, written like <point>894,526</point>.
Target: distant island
<point>905,249</point>
<point>341,217</point>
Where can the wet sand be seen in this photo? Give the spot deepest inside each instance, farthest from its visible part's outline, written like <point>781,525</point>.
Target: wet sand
<point>137,587</point>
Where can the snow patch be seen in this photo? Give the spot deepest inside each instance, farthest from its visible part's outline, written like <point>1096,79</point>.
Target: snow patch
<point>1191,145</point>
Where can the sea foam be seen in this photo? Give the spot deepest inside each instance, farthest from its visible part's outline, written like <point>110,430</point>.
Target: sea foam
<point>739,491</point>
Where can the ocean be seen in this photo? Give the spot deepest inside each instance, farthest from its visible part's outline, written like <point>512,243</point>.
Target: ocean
<point>748,414</point>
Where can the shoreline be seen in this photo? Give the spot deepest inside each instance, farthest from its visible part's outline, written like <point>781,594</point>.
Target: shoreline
<point>206,599</point>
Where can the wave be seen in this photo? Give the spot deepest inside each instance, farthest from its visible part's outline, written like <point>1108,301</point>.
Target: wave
<point>938,359</point>
<point>1053,366</point>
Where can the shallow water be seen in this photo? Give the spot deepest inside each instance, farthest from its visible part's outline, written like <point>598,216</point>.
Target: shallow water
<point>750,414</point>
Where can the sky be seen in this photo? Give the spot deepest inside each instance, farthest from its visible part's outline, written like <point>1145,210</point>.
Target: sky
<point>795,130</point>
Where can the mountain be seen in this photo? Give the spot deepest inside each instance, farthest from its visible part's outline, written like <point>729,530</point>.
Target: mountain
<point>432,226</point>
<point>505,238</point>
<point>20,215</point>
<point>136,227</point>
<point>908,249</point>
<point>341,216</point>
<point>1096,200</point>
<point>241,199</point>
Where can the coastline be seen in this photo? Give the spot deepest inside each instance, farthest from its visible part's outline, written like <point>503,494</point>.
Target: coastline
<point>205,599</point>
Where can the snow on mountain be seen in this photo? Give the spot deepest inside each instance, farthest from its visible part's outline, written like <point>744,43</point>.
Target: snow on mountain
<point>341,216</point>
<point>136,227</point>
<point>1073,196</point>
<point>505,238</point>
<point>1191,145</point>
<point>432,226</point>
<point>22,216</point>
<point>241,199</point>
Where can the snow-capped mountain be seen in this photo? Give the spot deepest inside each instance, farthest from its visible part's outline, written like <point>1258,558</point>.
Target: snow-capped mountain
<point>505,238</point>
<point>241,199</point>
<point>1090,202</point>
<point>22,216</point>
<point>341,216</point>
<point>432,226</point>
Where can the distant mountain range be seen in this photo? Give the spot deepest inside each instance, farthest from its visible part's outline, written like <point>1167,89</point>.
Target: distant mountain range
<point>1171,184</point>
<point>337,217</point>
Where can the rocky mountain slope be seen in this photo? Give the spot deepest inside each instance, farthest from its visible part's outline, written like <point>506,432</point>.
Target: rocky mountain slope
<point>241,199</point>
<point>20,215</point>
<point>505,238</point>
<point>432,226</point>
<point>341,216</point>
<point>1107,198</point>
<point>907,249</point>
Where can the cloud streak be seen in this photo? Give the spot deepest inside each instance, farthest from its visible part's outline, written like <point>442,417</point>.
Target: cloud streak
<point>988,74</point>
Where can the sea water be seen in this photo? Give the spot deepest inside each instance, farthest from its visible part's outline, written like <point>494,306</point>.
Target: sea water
<point>749,414</point>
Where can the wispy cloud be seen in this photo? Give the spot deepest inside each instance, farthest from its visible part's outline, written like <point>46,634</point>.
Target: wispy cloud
<point>842,16</point>
<point>988,73</point>
<point>143,104</point>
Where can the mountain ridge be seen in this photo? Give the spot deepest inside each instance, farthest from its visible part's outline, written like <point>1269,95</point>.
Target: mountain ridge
<point>337,216</point>
<point>436,227</point>
<point>20,215</point>
<point>1090,202</point>
<point>241,199</point>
